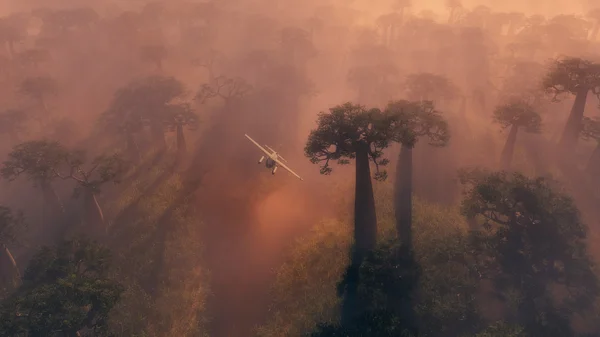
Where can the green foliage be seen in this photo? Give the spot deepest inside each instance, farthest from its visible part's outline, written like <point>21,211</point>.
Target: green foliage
<point>520,114</point>
<point>224,87</point>
<point>531,239</point>
<point>152,100</point>
<point>305,289</point>
<point>36,159</point>
<point>340,131</point>
<point>182,115</point>
<point>64,290</point>
<point>414,120</point>
<point>102,169</point>
<point>591,128</point>
<point>150,224</point>
<point>571,74</point>
<point>426,86</point>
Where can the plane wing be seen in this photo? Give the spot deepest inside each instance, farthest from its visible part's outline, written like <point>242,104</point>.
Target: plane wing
<point>260,147</point>
<point>287,168</point>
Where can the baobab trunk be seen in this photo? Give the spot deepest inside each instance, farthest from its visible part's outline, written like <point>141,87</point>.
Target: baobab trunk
<point>181,145</point>
<point>365,219</point>
<point>51,199</point>
<point>365,234</point>
<point>93,213</point>
<point>158,136</point>
<point>509,148</point>
<point>403,196</point>
<point>573,126</point>
<point>593,165</point>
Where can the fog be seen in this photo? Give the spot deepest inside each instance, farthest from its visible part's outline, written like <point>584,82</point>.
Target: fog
<point>277,65</point>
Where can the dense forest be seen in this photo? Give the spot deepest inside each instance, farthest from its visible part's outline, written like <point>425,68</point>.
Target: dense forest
<point>450,156</point>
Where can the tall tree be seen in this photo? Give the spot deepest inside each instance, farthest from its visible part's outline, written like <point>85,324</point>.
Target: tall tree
<point>591,131</point>
<point>514,115</point>
<point>180,117</point>
<point>531,241</point>
<point>350,131</point>
<point>149,100</point>
<point>577,77</point>
<point>154,54</point>
<point>414,120</point>
<point>90,177</point>
<point>65,289</point>
<point>10,225</point>
<point>430,87</point>
<point>594,14</point>
<point>11,32</point>
<point>36,160</point>
<point>39,88</point>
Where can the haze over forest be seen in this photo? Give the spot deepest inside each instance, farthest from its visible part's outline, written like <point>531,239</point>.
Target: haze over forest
<point>449,150</point>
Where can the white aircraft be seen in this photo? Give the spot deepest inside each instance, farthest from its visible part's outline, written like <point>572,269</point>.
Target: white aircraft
<point>274,159</point>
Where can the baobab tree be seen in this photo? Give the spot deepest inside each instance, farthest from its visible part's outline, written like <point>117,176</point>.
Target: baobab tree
<point>514,115</point>
<point>577,77</point>
<point>594,15</point>
<point>453,6</point>
<point>149,101</point>
<point>430,87</point>
<point>228,89</point>
<point>181,116</point>
<point>36,160</point>
<point>350,131</point>
<point>154,54</point>
<point>591,131</point>
<point>39,88</point>
<point>90,176</point>
<point>413,120</point>
<point>11,32</point>
<point>297,45</point>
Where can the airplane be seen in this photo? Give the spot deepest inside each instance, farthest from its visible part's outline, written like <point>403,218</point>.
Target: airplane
<point>274,159</point>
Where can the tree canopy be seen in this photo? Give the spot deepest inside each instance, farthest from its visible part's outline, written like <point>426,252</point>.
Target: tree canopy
<point>520,114</point>
<point>65,289</point>
<point>339,132</point>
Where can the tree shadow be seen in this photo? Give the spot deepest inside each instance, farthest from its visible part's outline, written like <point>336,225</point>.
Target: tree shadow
<point>158,240</point>
<point>378,294</point>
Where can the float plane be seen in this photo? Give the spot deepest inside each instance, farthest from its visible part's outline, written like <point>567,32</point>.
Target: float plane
<point>274,159</point>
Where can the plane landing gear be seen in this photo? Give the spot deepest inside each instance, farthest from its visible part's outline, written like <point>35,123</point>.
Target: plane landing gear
<point>274,169</point>
<point>261,159</point>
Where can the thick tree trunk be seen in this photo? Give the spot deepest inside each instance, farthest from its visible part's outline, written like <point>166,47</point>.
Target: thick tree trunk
<point>593,165</point>
<point>51,199</point>
<point>93,213</point>
<point>365,233</point>
<point>573,126</point>
<point>403,195</point>
<point>158,135</point>
<point>181,144</point>
<point>509,148</point>
<point>365,219</point>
